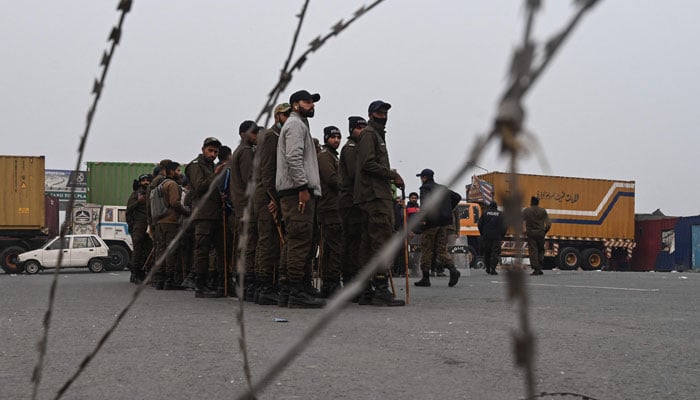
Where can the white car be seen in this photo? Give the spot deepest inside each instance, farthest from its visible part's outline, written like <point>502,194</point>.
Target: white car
<point>78,251</point>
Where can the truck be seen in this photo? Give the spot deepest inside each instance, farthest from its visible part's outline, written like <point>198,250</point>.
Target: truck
<point>28,218</point>
<point>109,223</point>
<point>111,182</point>
<point>592,219</point>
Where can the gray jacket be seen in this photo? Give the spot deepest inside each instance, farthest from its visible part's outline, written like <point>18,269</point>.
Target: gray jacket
<point>297,164</point>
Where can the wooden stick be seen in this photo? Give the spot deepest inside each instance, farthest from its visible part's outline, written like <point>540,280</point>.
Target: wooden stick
<point>405,246</point>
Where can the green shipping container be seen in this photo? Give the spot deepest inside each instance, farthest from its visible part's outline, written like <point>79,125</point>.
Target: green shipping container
<point>111,183</point>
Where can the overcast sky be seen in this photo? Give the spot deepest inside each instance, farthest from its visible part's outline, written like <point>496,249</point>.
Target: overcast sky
<point>618,102</point>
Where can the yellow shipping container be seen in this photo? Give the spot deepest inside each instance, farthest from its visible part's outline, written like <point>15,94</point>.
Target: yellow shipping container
<point>590,209</point>
<point>22,201</point>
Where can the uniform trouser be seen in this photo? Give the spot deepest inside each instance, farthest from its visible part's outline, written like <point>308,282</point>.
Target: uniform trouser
<point>167,233</point>
<point>433,244</point>
<point>208,234</point>
<point>491,249</point>
<point>298,237</point>
<point>331,238</point>
<point>142,244</point>
<point>535,249</point>
<point>352,238</point>
<point>251,243</point>
<point>377,229</point>
<point>267,252</point>
<point>156,244</point>
<point>187,249</point>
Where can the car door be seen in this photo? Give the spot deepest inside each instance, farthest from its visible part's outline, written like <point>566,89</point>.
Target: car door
<point>82,251</point>
<point>52,251</point>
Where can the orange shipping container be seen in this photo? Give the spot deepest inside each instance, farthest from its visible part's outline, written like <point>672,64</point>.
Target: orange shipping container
<point>22,202</point>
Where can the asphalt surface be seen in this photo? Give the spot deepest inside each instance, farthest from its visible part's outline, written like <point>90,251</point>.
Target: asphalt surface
<point>608,335</point>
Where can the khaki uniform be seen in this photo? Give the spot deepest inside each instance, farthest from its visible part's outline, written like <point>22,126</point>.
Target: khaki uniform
<point>537,225</point>
<point>372,192</point>
<point>167,226</point>
<point>267,253</point>
<point>208,227</point>
<point>152,224</point>
<point>136,211</point>
<point>329,216</point>
<point>241,175</point>
<point>350,213</point>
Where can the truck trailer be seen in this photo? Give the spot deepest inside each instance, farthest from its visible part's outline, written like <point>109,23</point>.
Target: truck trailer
<point>28,218</point>
<point>592,219</point>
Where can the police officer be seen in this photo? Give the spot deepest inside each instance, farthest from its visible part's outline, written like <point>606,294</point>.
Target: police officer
<point>168,224</point>
<point>208,229</point>
<point>433,241</point>
<point>299,185</point>
<point>537,224</point>
<point>349,212</point>
<point>241,174</point>
<point>138,226</point>
<point>328,212</point>
<point>491,229</point>
<point>266,200</point>
<point>373,194</point>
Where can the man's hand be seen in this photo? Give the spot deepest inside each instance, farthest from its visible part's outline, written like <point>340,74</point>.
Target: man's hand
<point>304,197</point>
<point>272,207</point>
<point>398,181</point>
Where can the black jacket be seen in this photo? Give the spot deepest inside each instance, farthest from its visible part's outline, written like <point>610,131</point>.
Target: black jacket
<point>491,225</point>
<point>443,215</point>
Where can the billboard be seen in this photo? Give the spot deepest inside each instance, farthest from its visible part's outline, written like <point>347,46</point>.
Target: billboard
<point>58,182</point>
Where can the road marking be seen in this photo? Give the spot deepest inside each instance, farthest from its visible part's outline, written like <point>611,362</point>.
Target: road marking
<point>589,287</point>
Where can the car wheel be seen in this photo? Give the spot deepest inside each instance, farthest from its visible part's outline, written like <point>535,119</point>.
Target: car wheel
<point>32,267</point>
<point>96,265</point>
<point>118,258</point>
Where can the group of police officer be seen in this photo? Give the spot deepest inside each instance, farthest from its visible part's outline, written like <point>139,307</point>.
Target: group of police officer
<point>305,198</point>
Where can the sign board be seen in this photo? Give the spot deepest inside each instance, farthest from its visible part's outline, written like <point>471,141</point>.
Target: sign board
<point>59,183</point>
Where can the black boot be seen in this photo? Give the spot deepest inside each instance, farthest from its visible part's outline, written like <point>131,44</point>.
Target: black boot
<point>268,296</point>
<point>328,288</point>
<point>365,297</point>
<point>188,283</point>
<point>310,289</point>
<point>425,281</point>
<point>299,298</point>
<point>454,275</point>
<point>382,295</point>
<point>202,290</point>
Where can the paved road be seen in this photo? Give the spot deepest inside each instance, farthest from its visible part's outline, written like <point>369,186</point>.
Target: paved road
<point>609,335</point>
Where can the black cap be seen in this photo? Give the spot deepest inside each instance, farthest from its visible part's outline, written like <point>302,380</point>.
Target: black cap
<point>376,105</point>
<point>145,176</point>
<point>330,131</point>
<point>248,126</point>
<point>493,205</point>
<point>356,121</point>
<point>303,95</point>
<point>211,141</point>
<point>426,172</point>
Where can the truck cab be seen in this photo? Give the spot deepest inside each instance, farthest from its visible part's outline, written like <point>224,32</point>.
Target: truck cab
<point>108,222</point>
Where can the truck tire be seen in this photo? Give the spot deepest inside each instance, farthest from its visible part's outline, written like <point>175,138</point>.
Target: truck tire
<point>592,259</point>
<point>96,265</point>
<point>32,267</point>
<point>118,258</point>
<point>479,263</point>
<point>472,257</point>
<point>8,257</point>
<point>569,259</point>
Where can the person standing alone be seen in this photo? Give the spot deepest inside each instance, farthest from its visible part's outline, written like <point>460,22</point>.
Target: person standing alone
<point>537,224</point>
<point>492,229</point>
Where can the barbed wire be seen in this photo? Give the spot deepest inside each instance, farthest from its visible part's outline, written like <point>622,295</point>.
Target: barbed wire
<point>114,36</point>
<point>286,73</point>
<point>508,123</point>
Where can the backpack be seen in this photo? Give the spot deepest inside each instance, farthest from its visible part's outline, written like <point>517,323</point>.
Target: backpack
<point>157,201</point>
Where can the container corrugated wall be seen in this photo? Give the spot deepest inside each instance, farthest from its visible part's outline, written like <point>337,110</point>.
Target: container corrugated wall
<point>22,201</point>
<point>578,207</point>
<point>686,244</point>
<point>649,238</point>
<point>110,183</point>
